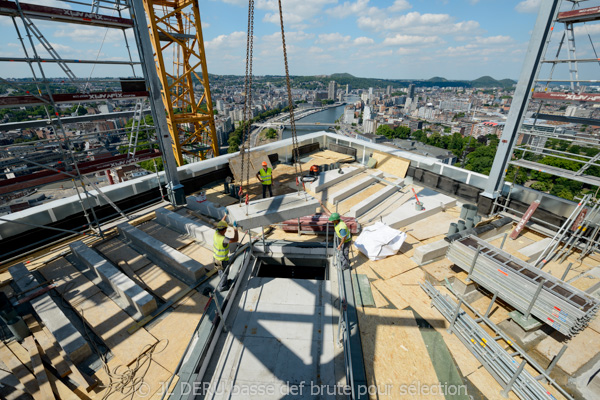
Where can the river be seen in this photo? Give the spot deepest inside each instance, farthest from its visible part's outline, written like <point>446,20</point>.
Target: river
<point>327,116</point>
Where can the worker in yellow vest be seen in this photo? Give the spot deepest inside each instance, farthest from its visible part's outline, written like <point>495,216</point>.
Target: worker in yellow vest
<point>221,252</point>
<point>342,232</point>
<point>265,176</point>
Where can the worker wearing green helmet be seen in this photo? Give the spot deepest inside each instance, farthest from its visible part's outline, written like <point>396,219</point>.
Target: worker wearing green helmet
<point>221,252</point>
<point>343,234</point>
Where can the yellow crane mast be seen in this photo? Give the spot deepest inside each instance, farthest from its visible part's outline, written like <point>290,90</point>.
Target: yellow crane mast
<point>175,26</point>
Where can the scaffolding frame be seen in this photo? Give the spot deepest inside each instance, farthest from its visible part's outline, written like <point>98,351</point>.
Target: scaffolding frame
<point>49,93</point>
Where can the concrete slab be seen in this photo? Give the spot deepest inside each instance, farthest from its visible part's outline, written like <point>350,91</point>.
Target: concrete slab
<point>534,250</point>
<point>373,200</point>
<point>205,207</point>
<point>272,210</point>
<point>431,251</point>
<point>354,188</point>
<point>329,178</point>
<point>199,231</point>
<point>177,263</point>
<point>67,336</point>
<point>137,297</point>
<point>283,335</point>
<point>528,325</point>
<point>406,214</point>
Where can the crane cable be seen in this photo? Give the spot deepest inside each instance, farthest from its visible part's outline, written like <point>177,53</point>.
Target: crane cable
<point>295,151</point>
<point>247,123</point>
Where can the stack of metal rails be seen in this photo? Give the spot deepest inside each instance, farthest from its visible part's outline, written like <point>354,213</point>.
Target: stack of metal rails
<point>528,289</point>
<point>501,364</point>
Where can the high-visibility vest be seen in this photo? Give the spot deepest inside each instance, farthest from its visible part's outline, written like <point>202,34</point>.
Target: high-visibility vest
<point>265,175</point>
<point>342,226</point>
<point>220,250</point>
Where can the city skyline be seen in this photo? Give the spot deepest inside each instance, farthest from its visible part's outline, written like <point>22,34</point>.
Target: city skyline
<point>403,39</point>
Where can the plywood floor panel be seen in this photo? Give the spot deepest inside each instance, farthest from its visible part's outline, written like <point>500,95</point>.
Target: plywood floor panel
<point>73,286</point>
<point>110,323</point>
<point>177,328</point>
<point>167,236</point>
<point>160,282</point>
<point>398,352</point>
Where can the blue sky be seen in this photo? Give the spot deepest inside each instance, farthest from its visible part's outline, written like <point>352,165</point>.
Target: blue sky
<point>401,39</point>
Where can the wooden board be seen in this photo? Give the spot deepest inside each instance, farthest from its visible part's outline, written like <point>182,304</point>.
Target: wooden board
<point>61,390</point>
<point>178,327</point>
<point>350,202</point>
<point>21,353</point>
<point>386,268</point>
<point>161,284</point>
<point>38,369</point>
<point>47,347</point>
<point>488,386</point>
<point>19,370</point>
<point>390,164</point>
<point>201,254</point>
<point>394,352</point>
<point>432,226</point>
<point>329,156</point>
<point>84,382</point>
<point>165,235</point>
<point>115,250</point>
<point>110,323</point>
<point>439,270</point>
<point>578,353</point>
<point>390,294</point>
<point>72,285</point>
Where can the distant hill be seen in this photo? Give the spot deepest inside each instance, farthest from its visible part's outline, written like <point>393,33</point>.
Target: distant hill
<point>342,75</point>
<point>507,83</point>
<point>437,79</point>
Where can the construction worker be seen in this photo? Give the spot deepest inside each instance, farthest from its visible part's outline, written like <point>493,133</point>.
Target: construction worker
<point>343,234</point>
<point>221,252</point>
<point>265,175</point>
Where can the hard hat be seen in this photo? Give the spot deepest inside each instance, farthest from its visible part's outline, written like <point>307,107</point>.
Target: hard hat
<point>221,225</point>
<point>264,163</point>
<point>334,217</point>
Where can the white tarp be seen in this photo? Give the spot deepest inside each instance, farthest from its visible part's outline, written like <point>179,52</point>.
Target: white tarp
<point>379,241</point>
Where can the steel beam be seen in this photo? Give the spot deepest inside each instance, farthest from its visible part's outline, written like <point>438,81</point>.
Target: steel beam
<point>531,67</point>
<point>142,36</point>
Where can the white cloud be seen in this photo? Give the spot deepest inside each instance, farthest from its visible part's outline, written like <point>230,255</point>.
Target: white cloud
<point>363,40</point>
<point>417,23</point>
<point>234,39</point>
<point>407,50</point>
<point>402,40</point>
<point>347,9</point>
<point>52,3</point>
<point>528,6</point>
<point>399,5</point>
<point>294,11</point>
<point>329,38</point>
<point>500,39</point>
<point>91,35</point>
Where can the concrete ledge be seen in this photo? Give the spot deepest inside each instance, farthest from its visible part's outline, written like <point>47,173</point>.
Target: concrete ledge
<point>67,336</point>
<point>534,250</point>
<point>354,188</point>
<point>272,210</point>
<point>137,297</point>
<point>430,251</point>
<point>182,266</point>
<point>372,201</point>
<point>201,232</point>
<point>330,178</point>
<point>406,214</point>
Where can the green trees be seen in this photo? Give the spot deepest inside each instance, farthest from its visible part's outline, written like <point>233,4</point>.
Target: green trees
<point>271,133</point>
<point>385,130</point>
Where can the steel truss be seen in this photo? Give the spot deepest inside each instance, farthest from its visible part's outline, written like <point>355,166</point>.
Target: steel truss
<point>176,26</point>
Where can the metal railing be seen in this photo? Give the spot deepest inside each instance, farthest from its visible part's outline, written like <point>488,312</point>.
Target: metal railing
<point>348,335</point>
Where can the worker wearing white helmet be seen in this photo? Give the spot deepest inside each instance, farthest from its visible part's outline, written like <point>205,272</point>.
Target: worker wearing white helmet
<point>221,252</point>
<point>265,176</point>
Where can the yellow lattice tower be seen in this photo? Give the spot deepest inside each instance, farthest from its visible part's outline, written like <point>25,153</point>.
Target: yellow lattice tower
<point>176,25</point>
